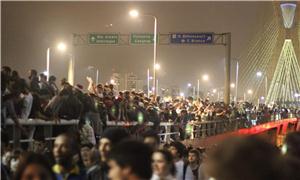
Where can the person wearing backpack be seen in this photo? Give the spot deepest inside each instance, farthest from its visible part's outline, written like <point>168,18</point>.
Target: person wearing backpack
<point>183,170</point>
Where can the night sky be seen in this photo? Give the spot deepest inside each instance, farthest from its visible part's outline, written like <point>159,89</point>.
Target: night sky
<point>28,28</point>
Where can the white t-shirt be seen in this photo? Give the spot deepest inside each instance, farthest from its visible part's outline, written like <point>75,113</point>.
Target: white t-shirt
<point>179,171</point>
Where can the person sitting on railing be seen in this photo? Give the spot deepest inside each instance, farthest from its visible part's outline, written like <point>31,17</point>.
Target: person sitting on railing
<point>65,105</point>
<point>27,100</point>
<point>10,98</point>
<point>45,89</point>
<point>33,81</point>
<point>38,102</point>
<point>52,86</point>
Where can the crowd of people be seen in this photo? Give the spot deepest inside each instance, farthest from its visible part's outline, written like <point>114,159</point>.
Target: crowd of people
<point>119,156</point>
<point>37,97</point>
<point>90,153</point>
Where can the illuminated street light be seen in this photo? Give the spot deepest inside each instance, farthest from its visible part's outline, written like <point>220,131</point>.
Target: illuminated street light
<point>157,67</point>
<point>97,72</point>
<point>262,98</point>
<point>189,84</point>
<point>182,94</point>
<point>112,81</point>
<point>250,91</point>
<point>214,90</point>
<point>205,77</point>
<point>259,74</point>
<point>45,73</point>
<point>232,85</point>
<point>134,13</point>
<point>150,77</point>
<point>62,46</point>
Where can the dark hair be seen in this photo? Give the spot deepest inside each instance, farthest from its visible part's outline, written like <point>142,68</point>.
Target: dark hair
<point>245,158</point>
<point>169,159</point>
<point>32,158</point>
<point>6,68</point>
<point>195,151</point>
<point>181,150</point>
<point>33,72</point>
<point>42,75</point>
<point>15,75</point>
<point>115,135</point>
<point>52,78</point>
<point>152,134</point>
<point>135,155</point>
<point>88,145</point>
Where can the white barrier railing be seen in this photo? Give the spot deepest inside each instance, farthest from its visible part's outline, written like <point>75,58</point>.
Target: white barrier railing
<point>199,129</point>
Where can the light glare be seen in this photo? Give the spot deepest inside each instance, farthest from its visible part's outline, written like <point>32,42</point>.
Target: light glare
<point>259,74</point>
<point>205,77</point>
<point>157,66</point>
<point>61,46</point>
<point>134,13</point>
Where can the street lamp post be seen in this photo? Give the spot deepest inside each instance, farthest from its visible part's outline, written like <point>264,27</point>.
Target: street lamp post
<point>135,13</point>
<point>71,70</point>
<point>97,76</point>
<point>97,73</point>
<point>148,83</point>
<point>198,89</point>
<point>154,51</point>
<point>48,63</point>
<point>236,81</point>
<point>205,78</point>
<point>61,47</point>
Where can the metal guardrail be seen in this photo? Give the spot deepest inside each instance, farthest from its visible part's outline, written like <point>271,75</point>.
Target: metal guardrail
<point>48,127</point>
<point>32,124</point>
<point>211,128</point>
<point>170,129</point>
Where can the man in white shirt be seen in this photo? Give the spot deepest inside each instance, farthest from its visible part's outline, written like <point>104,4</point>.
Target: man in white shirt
<point>27,103</point>
<point>183,170</point>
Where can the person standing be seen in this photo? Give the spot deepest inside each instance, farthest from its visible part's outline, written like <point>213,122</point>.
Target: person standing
<point>194,160</point>
<point>65,151</point>
<point>130,160</point>
<point>163,166</point>
<point>183,170</point>
<point>110,138</point>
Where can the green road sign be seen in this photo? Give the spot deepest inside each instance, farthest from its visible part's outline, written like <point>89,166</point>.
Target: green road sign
<point>103,38</point>
<point>142,38</point>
